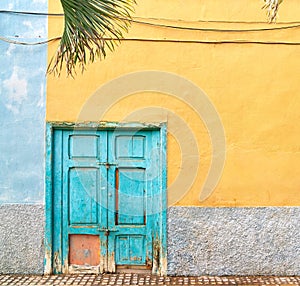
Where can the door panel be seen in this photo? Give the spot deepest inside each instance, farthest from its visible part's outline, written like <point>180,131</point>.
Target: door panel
<point>83,146</point>
<point>83,189</point>
<point>130,196</point>
<point>84,249</point>
<point>129,146</point>
<point>130,249</point>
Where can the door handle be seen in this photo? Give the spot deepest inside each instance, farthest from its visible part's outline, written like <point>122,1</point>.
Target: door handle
<point>106,164</point>
<point>107,230</point>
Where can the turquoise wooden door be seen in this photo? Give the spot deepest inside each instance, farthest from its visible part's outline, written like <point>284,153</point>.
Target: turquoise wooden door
<point>106,200</point>
<point>132,181</point>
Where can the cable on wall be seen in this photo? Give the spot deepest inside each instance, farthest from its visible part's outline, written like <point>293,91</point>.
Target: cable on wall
<point>296,24</point>
<point>7,40</point>
<point>30,13</point>
<point>162,41</point>
<point>216,30</point>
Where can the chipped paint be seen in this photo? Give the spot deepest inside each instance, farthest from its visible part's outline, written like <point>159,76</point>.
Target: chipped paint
<point>163,266</point>
<point>103,258</point>
<point>76,269</point>
<point>48,262</point>
<point>111,265</point>
<point>156,256</point>
<point>57,264</point>
<point>107,125</point>
<point>148,262</point>
<point>135,258</point>
<point>113,237</point>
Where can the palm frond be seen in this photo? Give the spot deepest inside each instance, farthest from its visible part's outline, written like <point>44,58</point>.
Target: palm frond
<point>272,9</point>
<point>90,27</point>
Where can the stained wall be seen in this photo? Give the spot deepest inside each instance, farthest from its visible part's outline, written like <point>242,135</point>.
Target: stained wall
<point>22,121</point>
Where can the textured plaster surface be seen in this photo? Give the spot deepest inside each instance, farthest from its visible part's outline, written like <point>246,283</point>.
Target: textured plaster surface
<point>21,238</point>
<point>234,241</point>
<point>256,96</point>
<point>22,102</point>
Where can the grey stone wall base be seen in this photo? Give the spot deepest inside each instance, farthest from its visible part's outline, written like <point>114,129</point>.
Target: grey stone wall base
<point>201,241</point>
<point>234,241</point>
<point>21,239</point>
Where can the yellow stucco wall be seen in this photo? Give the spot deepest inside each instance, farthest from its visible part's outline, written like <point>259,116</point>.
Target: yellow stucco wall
<point>254,88</point>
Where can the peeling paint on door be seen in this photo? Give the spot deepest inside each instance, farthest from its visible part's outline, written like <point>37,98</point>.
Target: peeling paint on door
<point>107,190</point>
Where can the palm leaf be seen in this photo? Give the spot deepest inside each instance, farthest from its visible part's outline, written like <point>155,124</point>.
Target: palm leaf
<point>90,27</point>
<point>272,9</point>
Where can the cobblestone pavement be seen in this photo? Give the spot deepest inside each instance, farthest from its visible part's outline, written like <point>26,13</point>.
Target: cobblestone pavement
<point>141,279</point>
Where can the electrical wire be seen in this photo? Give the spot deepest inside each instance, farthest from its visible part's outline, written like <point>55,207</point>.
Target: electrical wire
<point>216,30</point>
<point>207,42</point>
<point>28,43</point>
<point>30,13</point>
<point>163,41</point>
<point>297,24</point>
<point>167,26</point>
<point>216,21</point>
<point>155,19</point>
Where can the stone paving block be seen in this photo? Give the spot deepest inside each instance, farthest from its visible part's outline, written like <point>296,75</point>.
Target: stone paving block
<point>140,279</point>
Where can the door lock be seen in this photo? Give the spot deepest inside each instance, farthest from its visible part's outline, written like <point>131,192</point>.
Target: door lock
<point>106,164</point>
<point>107,230</point>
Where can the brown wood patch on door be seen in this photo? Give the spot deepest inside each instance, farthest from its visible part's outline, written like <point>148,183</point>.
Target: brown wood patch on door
<point>84,249</point>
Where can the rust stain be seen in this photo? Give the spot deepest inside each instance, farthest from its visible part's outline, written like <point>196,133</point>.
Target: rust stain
<point>84,249</point>
<point>148,263</point>
<point>159,260</point>
<point>156,250</point>
<point>156,255</point>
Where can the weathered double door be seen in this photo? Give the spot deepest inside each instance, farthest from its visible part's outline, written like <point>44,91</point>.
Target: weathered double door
<point>106,199</point>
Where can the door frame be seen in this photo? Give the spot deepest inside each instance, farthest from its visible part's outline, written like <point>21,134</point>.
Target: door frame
<point>159,246</point>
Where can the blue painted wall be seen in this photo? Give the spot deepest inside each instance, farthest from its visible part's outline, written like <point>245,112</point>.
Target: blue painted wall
<point>22,102</point>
